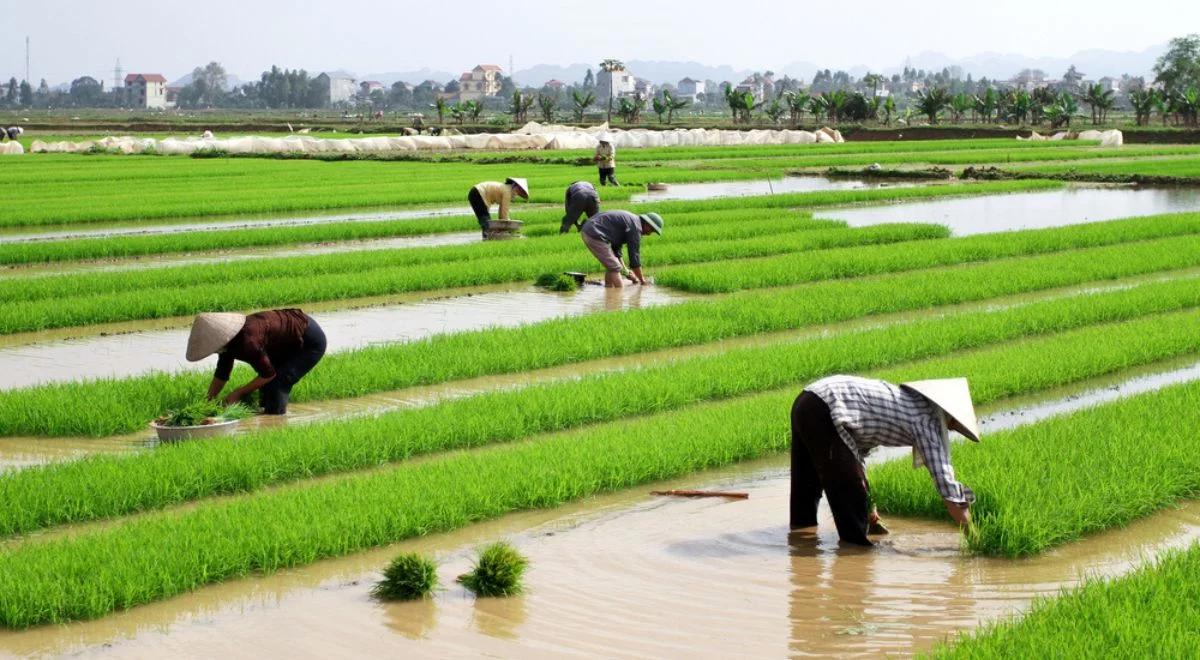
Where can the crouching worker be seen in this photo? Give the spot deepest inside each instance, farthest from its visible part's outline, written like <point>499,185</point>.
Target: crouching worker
<point>282,346</point>
<point>488,193</point>
<point>838,420</point>
<point>582,199</point>
<point>607,233</point>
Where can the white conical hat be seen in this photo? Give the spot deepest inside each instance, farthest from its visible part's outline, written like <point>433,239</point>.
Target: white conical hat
<point>211,331</point>
<point>953,396</point>
<point>521,184</point>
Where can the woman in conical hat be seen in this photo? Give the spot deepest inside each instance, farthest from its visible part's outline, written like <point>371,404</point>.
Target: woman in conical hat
<point>838,420</point>
<point>281,345</point>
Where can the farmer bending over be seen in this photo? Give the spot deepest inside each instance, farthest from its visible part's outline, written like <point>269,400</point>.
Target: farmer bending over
<point>838,420</point>
<point>582,198</point>
<point>484,195</point>
<point>608,232</point>
<point>281,345</point>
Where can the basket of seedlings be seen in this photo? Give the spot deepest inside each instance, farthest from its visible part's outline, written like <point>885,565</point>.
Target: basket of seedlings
<point>202,419</point>
<point>656,186</point>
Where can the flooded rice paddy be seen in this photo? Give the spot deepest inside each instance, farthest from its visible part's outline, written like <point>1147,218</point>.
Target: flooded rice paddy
<point>766,186</point>
<point>989,213</point>
<point>157,349</point>
<point>629,575</point>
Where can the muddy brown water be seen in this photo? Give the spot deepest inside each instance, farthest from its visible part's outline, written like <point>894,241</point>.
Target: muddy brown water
<point>989,213</point>
<point>764,186</point>
<point>139,351</point>
<point>630,575</point>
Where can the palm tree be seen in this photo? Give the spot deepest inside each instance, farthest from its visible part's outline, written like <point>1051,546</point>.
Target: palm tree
<point>581,100</point>
<point>611,66</point>
<point>1143,101</point>
<point>1099,101</point>
<point>797,103</point>
<point>931,102</point>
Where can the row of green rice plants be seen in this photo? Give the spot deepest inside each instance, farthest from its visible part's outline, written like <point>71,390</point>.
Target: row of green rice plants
<point>1042,486</point>
<point>161,555</point>
<point>106,486</point>
<point>792,268</point>
<point>123,405</point>
<point>1152,612</point>
<point>72,308</point>
<point>700,243</point>
<point>851,147</point>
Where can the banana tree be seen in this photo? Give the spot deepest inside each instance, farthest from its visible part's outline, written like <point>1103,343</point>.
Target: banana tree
<point>581,101</point>
<point>889,109</point>
<point>547,103</point>
<point>741,104</point>
<point>458,112</point>
<point>835,102</point>
<point>1143,101</point>
<point>932,102</point>
<point>630,109</point>
<point>673,104</point>
<point>775,111</point>
<point>818,106</point>
<point>797,103</point>
<point>1099,101</point>
<point>439,106</point>
<point>960,105</point>
<point>1019,106</point>
<point>1062,110</point>
<point>474,109</point>
<point>1187,104</point>
<point>987,103</point>
<point>519,106</point>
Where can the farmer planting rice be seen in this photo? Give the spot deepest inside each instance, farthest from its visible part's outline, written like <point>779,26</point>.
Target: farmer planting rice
<point>838,420</point>
<point>12,133</point>
<point>606,161</point>
<point>582,198</point>
<point>608,232</point>
<point>488,193</point>
<point>282,346</point>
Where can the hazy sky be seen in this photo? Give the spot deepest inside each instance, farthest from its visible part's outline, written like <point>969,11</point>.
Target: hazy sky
<point>72,38</point>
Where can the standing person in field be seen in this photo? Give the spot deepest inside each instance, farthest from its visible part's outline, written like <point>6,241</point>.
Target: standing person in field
<point>607,233</point>
<point>582,199</point>
<point>485,194</point>
<point>838,420</point>
<point>606,160</point>
<point>282,346</point>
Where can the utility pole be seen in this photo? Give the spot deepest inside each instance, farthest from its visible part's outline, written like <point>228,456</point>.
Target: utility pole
<point>27,60</point>
<point>117,71</point>
<point>512,74</point>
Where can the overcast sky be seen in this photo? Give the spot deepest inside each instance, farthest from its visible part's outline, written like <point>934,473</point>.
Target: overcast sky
<point>76,37</point>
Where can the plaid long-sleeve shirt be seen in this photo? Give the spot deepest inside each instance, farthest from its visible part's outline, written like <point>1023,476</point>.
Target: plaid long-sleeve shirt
<point>872,413</point>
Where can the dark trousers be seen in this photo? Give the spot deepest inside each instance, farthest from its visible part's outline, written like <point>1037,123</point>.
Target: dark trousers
<point>275,394</point>
<point>577,205</point>
<point>480,207</point>
<point>608,175</point>
<point>821,461</point>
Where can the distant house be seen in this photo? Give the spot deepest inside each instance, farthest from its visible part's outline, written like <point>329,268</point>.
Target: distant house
<point>691,89</point>
<point>336,88</point>
<point>367,86</point>
<point>146,90</point>
<point>483,80</point>
<point>173,96</point>
<point>555,85</point>
<point>753,86</point>
<point>644,87</point>
<point>622,83</point>
<point>1110,83</point>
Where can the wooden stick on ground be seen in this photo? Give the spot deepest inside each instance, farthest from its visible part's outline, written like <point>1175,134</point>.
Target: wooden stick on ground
<point>701,493</point>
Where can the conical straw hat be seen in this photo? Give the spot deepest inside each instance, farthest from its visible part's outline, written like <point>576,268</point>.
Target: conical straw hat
<point>211,331</point>
<point>953,396</point>
<point>521,185</point>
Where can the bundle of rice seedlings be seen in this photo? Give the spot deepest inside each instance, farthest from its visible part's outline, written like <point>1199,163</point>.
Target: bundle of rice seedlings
<point>409,577</point>
<point>497,572</point>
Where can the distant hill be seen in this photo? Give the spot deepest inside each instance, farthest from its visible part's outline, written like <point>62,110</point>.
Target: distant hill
<point>231,81</point>
<point>412,77</point>
<point>652,70</point>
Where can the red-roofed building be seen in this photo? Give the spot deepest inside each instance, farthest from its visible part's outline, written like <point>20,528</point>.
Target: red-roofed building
<point>146,90</point>
<point>483,80</point>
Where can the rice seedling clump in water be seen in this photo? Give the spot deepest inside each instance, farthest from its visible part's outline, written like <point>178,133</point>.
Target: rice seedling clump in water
<point>201,413</point>
<point>557,282</point>
<point>498,572</point>
<point>409,577</point>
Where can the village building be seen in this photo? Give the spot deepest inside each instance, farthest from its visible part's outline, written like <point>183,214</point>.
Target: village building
<point>336,87</point>
<point>483,80</point>
<point>146,90</point>
<point>621,83</point>
<point>691,89</point>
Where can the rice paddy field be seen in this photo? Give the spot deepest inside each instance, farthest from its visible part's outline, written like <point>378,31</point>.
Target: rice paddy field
<point>460,405</point>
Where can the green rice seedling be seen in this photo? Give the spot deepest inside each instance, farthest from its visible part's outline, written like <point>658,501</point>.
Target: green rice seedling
<point>498,572</point>
<point>408,577</point>
<point>75,577</point>
<point>1054,482</point>
<point>123,405</point>
<point>1152,612</point>
<point>557,282</point>
<point>1058,336</point>
<point>202,412</point>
